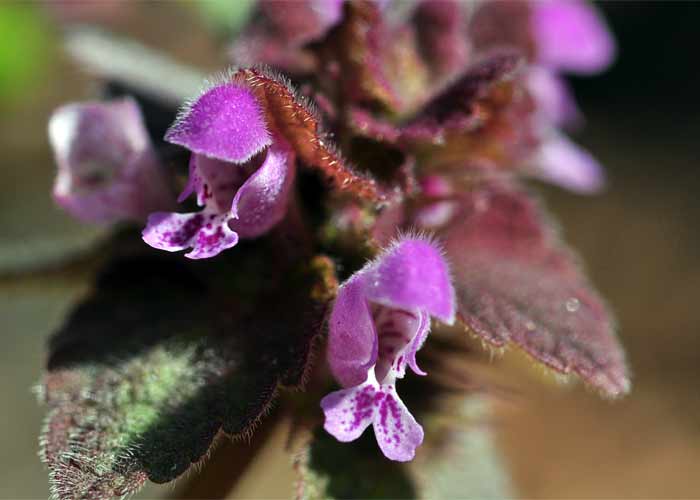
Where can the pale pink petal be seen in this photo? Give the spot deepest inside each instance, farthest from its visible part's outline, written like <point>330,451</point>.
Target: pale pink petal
<point>352,339</point>
<point>418,341</point>
<point>397,432</point>
<point>571,35</point>
<point>261,202</point>
<point>435,215</point>
<point>349,412</point>
<point>207,234</point>
<point>553,96</point>
<point>194,183</point>
<point>226,123</point>
<point>107,169</point>
<point>412,274</point>
<point>566,164</point>
<point>396,330</point>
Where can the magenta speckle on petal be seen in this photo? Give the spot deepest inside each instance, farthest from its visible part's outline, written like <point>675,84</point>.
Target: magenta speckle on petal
<point>108,170</point>
<point>173,232</point>
<point>240,200</point>
<point>379,321</point>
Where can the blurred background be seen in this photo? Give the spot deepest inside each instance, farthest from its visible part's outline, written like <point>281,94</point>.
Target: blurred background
<point>639,240</point>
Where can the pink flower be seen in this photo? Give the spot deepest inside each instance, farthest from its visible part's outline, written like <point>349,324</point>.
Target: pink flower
<point>107,168</point>
<point>241,173</point>
<point>571,36</point>
<point>380,320</point>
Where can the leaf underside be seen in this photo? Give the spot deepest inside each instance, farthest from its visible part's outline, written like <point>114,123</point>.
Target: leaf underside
<point>164,356</point>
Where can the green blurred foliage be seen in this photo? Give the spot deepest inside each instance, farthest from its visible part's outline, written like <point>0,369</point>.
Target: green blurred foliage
<point>25,45</point>
<point>225,16</point>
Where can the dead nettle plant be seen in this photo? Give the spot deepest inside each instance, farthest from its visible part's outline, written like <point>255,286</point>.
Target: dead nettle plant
<point>353,183</point>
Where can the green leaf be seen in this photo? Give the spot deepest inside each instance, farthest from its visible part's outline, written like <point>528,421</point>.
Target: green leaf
<point>165,355</point>
<point>25,50</point>
<point>225,15</point>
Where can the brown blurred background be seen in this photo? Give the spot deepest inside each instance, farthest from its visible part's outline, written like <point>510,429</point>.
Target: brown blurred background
<point>639,240</point>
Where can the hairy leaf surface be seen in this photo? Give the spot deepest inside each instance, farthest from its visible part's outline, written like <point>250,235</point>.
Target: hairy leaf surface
<point>165,355</point>
<point>517,283</point>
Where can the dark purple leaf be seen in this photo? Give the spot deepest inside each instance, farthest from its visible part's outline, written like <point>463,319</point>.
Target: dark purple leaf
<point>442,33</point>
<point>356,48</point>
<point>517,283</point>
<point>483,120</point>
<point>166,355</point>
<point>279,31</point>
<point>462,106</point>
<point>502,24</point>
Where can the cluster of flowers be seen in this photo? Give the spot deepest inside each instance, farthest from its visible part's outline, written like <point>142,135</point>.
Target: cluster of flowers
<point>475,87</point>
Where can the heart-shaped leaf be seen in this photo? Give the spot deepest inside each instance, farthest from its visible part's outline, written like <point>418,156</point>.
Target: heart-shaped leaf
<point>517,283</point>
<point>165,355</point>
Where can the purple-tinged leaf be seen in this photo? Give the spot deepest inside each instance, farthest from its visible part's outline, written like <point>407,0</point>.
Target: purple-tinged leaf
<point>356,47</point>
<point>364,123</point>
<point>484,119</point>
<point>441,28</point>
<point>281,29</point>
<point>164,356</point>
<point>301,21</point>
<point>517,284</point>
<point>503,24</point>
<point>460,107</point>
<point>386,63</point>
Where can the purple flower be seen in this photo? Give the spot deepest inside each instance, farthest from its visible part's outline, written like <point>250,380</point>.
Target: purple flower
<point>571,36</point>
<point>553,97</point>
<point>438,211</point>
<point>107,169</point>
<point>560,161</point>
<point>241,172</point>
<point>380,319</point>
